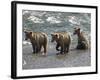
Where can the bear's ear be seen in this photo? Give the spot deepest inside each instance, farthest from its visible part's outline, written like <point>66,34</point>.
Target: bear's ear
<point>57,35</point>
<point>78,29</point>
<point>30,32</point>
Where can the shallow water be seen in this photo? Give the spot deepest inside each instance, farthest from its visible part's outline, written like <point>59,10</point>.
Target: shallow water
<point>75,58</point>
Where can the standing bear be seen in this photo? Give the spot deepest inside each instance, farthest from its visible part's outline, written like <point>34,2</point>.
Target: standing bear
<point>38,40</point>
<point>63,41</point>
<point>82,42</point>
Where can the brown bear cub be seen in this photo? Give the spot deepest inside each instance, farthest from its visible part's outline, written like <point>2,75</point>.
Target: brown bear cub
<point>82,42</point>
<point>63,41</point>
<point>38,40</point>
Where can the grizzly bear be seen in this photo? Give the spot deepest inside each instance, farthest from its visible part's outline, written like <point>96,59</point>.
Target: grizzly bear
<point>82,41</point>
<point>38,40</point>
<point>63,41</point>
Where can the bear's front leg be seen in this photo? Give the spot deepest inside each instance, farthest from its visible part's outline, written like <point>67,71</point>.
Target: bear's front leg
<point>34,51</point>
<point>57,47</point>
<point>34,48</point>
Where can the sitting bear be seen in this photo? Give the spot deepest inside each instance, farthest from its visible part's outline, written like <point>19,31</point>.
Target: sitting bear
<point>38,40</point>
<point>82,42</point>
<point>63,41</point>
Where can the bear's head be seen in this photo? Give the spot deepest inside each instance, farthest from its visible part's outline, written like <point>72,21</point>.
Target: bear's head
<point>55,37</point>
<point>28,34</point>
<point>76,30</point>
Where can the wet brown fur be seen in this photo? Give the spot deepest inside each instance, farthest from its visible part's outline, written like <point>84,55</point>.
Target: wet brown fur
<point>38,40</point>
<point>63,41</point>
